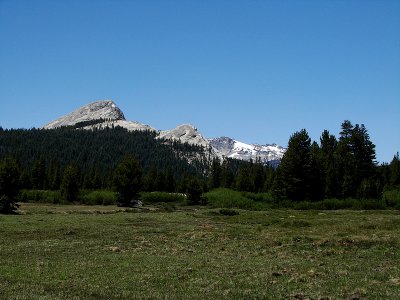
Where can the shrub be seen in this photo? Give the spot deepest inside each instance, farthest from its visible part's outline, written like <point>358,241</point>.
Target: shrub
<point>99,197</point>
<point>227,198</point>
<point>154,197</point>
<point>228,212</point>
<point>41,196</point>
<point>392,198</point>
<point>167,207</point>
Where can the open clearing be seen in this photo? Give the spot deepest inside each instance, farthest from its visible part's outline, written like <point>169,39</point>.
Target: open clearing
<point>95,252</point>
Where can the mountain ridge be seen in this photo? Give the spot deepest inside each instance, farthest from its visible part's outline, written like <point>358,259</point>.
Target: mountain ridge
<point>108,115</point>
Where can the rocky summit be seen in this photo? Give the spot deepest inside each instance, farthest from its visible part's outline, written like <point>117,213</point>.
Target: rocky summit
<point>105,114</point>
<point>185,133</point>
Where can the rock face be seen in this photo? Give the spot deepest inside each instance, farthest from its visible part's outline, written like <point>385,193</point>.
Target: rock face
<point>105,114</point>
<point>185,133</point>
<point>105,110</point>
<point>227,147</point>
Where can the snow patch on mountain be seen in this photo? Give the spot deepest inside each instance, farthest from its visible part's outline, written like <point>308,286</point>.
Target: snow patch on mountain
<point>105,114</point>
<point>231,148</point>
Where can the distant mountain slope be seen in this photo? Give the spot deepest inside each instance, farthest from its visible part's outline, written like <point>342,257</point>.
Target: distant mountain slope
<point>231,148</point>
<point>105,114</point>
<point>104,110</point>
<point>185,133</point>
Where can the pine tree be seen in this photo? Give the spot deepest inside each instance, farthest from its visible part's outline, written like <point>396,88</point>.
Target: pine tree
<point>317,180</point>
<point>215,177</point>
<point>395,171</point>
<point>355,155</point>
<point>39,174</point>
<point>70,183</point>
<point>243,180</point>
<point>194,191</point>
<point>295,167</point>
<point>9,185</point>
<point>127,180</point>
<point>227,175</point>
<point>329,172</point>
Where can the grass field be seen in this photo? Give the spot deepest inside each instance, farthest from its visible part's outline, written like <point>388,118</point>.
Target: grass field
<point>97,252</point>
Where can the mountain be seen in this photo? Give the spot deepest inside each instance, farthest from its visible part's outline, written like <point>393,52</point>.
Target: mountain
<point>185,133</point>
<point>98,114</point>
<point>105,114</point>
<point>231,148</point>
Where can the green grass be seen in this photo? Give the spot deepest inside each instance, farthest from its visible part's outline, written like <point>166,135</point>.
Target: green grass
<point>106,252</point>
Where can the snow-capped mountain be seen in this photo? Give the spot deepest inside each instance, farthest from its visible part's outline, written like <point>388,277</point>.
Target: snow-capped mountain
<point>105,114</point>
<point>231,148</point>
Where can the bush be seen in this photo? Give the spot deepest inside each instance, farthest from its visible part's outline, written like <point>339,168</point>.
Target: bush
<point>41,196</point>
<point>392,198</point>
<point>155,197</point>
<point>334,204</point>
<point>258,197</point>
<point>228,212</point>
<point>99,197</point>
<point>167,207</point>
<point>227,198</point>
<point>7,206</point>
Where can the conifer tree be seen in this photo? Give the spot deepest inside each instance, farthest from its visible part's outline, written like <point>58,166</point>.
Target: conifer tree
<point>329,172</point>
<point>70,183</point>
<point>9,185</point>
<point>395,171</point>
<point>295,167</point>
<point>127,180</point>
<point>215,174</point>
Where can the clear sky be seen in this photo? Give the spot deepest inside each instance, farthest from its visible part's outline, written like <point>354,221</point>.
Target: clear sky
<point>256,71</point>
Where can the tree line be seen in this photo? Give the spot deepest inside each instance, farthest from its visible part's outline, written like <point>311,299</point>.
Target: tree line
<point>69,160</point>
<point>343,167</point>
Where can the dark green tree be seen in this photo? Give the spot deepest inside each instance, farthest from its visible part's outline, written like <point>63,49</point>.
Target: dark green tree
<point>9,185</point>
<point>38,175</point>
<point>227,175</point>
<point>70,183</point>
<point>355,157</point>
<point>194,191</point>
<point>395,171</point>
<point>215,178</point>
<point>127,180</point>
<point>295,167</point>
<point>258,176</point>
<point>317,180</point>
<point>244,180</point>
<point>329,172</point>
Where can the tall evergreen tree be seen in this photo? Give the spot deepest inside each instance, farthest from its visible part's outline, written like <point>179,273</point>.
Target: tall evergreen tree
<point>296,166</point>
<point>258,176</point>
<point>317,178</point>
<point>38,175</point>
<point>9,185</point>
<point>395,171</point>
<point>329,172</point>
<point>215,177</point>
<point>127,180</point>
<point>355,155</point>
<point>227,174</point>
<point>244,179</point>
<point>70,183</point>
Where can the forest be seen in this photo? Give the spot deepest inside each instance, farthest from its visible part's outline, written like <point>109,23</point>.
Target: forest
<point>69,159</point>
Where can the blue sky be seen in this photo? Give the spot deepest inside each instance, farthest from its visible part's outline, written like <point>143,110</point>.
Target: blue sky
<point>253,70</point>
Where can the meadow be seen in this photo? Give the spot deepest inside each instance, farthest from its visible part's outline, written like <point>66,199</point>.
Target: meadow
<point>105,252</point>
